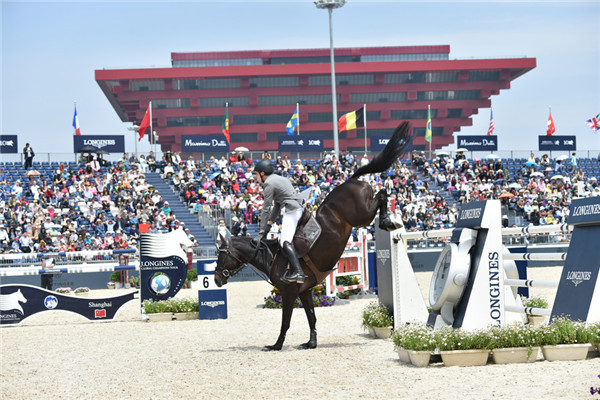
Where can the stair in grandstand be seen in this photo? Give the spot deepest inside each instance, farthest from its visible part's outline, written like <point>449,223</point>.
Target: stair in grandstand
<point>182,212</point>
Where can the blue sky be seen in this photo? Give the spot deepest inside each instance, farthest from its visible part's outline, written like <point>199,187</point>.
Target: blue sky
<point>51,49</point>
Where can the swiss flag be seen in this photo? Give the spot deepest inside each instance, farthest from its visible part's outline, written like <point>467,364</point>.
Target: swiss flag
<point>550,126</point>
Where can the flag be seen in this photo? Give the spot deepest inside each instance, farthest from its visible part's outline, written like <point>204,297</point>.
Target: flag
<point>145,124</point>
<point>491,127</point>
<point>550,126</point>
<point>352,120</point>
<point>225,127</point>
<point>77,131</point>
<point>428,128</point>
<point>594,123</point>
<point>292,123</point>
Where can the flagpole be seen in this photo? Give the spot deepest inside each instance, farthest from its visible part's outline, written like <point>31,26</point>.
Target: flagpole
<point>298,109</point>
<point>431,138</point>
<point>365,117</point>
<point>298,125</point>
<point>151,131</point>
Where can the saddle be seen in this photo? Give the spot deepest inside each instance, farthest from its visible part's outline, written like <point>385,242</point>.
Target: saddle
<point>307,233</point>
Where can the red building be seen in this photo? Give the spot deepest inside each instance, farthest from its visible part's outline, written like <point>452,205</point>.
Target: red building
<point>262,88</point>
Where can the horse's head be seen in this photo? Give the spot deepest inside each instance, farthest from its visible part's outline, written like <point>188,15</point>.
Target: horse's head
<point>230,261</point>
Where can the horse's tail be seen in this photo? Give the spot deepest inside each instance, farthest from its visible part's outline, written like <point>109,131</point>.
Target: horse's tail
<point>393,149</point>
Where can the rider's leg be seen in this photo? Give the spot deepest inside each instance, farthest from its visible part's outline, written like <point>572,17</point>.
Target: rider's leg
<point>289,222</point>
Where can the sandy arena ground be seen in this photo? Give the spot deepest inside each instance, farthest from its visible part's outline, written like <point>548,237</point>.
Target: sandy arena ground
<point>58,355</point>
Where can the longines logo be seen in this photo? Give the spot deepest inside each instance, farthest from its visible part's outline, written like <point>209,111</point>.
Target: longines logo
<point>470,214</point>
<point>579,276</point>
<point>212,304</point>
<point>383,255</point>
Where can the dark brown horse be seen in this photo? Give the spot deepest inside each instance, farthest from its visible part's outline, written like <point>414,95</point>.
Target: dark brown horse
<point>352,204</point>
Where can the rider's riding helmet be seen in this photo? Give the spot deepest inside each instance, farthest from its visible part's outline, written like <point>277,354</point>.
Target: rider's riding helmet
<point>264,166</point>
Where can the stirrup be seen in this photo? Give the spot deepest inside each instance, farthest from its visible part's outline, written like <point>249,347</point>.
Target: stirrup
<point>294,277</point>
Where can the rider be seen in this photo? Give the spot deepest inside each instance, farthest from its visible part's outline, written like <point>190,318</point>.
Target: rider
<point>280,194</point>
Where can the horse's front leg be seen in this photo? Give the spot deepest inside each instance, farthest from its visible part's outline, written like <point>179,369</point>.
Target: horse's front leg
<point>288,296</point>
<point>309,308</point>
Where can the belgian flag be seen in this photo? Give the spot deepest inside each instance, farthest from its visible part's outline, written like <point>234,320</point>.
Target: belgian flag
<point>352,120</point>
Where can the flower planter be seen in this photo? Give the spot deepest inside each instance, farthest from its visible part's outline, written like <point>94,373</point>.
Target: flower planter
<point>372,332</point>
<point>536,320</point>
<point>420,358</point>
<point>186,316</point>
<point>465,358</point>
<point>511,355</point>
<point>566,352</point>
<point>383,332</point>
<point>158,317</point>
<point>403,355</point>
<point>82,294</point>
<point>110,285</point>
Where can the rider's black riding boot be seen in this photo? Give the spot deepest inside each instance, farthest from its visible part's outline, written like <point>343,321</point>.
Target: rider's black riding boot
<point>296,275</point>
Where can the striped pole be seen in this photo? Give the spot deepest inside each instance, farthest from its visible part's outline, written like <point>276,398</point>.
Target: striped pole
<point>531,283</point>
<point>535,256</point>
<point>528,310</point>
<point>16,271</point>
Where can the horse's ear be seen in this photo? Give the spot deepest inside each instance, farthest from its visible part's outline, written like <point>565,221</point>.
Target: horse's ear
<point>225,241</point>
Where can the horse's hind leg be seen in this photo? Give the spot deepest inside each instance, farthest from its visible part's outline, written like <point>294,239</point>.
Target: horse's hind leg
<point>309,308</point>
<point>385,220</point>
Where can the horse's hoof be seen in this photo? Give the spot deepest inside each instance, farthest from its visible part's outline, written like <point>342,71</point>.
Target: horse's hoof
<point>307,345</point>
<point>271,348</point>
<point>389,224</point>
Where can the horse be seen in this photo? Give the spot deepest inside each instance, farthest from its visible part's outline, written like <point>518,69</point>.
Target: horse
<point>351,204</point>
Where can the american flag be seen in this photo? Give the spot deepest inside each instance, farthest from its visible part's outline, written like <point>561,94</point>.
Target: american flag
<point>594,123</point>
<point>491,127</point>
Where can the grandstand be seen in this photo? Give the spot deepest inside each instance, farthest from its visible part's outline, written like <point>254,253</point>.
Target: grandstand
<point>67,206</point>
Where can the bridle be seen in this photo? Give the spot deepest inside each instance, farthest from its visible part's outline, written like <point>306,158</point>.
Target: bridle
<point>226,272</point>
<point>261,248</point>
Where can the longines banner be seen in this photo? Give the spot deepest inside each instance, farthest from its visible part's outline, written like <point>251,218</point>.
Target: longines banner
<point>8,144</point>
<point>108,143</point>
<point>301,143</point>
<point>550,143</point>
<point>163,264</point>
<point>18,302</point>
<point>478,142</point>
<point>202,143</point>
<point>378,142</point>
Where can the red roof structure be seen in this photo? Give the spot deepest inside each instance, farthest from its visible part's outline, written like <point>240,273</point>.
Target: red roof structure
<point>262,88</point>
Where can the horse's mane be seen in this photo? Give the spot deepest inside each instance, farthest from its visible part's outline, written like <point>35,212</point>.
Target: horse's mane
<point>393,149</point>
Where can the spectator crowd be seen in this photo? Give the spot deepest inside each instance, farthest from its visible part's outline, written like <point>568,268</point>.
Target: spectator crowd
<point>99,205</point>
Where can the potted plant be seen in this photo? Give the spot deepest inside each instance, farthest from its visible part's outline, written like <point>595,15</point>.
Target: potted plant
<point>594,330</point>
<point>420,341</point>
<point>191,276</point>
<point>161,310</point>
<point>185,308</point>
<point>378,317</point>
<point>115,277</point>
<point>515,343</point>
<point>459,347</point>
<point>82,291</point>
<point>564,339</point>
<point>535,302</point>
<point>111,284</point>
<point>320,299</point>
<point>63,290</point>
<point>398,336</point>
<point>134,282</point>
